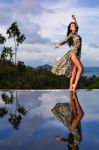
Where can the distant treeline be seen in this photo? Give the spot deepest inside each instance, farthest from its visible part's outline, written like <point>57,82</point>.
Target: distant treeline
<point>20,76</point>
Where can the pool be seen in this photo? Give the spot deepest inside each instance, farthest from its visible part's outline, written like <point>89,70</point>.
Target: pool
<point>27,121</point>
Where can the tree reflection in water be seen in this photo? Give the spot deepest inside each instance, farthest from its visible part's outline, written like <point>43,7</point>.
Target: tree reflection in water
<point>70,114</point>
<point>16,117</point>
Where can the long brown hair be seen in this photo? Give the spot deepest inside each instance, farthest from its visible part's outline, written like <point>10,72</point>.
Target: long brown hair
<point>70,41</point>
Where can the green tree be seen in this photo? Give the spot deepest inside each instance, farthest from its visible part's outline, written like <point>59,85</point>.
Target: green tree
<point>2,39</point>
<point>14,32</point>
<point>15,119</point>
<point>7,52</point>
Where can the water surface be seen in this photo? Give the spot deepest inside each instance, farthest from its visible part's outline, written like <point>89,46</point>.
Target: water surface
<point>26,120</point>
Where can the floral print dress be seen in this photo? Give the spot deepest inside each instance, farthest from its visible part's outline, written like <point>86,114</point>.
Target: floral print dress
<point>64,66</point>
<point>65,114</point>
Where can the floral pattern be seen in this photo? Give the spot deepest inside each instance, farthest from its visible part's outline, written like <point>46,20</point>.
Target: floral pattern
<point>64,66</point>
<point>64,113</point>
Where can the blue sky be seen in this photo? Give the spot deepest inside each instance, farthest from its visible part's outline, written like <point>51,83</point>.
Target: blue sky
<point>44,22</point>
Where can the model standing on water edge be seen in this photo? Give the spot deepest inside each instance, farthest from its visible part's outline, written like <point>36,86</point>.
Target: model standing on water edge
<point>70,64</point>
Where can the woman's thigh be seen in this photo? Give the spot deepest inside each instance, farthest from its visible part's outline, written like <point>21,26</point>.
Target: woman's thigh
<point>75,60</point>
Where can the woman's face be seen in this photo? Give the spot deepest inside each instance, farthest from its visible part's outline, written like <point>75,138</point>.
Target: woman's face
<point>73,28</point>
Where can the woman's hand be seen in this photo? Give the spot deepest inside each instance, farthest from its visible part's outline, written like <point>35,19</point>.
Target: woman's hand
<point>73,16</point>
<point>57,45</point>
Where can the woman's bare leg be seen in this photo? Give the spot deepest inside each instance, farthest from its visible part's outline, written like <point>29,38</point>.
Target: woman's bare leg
<point>73,77</point>
<point>77,110</point>
<point>80,67</point>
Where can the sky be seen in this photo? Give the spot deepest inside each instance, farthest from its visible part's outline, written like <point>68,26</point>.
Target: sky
<point>44,22</point>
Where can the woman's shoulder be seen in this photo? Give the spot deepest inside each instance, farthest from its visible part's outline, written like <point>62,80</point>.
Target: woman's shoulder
<point>78,37</point>
<point>75,36</point>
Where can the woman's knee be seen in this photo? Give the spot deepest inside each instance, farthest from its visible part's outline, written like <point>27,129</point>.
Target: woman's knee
<point>81,69</point>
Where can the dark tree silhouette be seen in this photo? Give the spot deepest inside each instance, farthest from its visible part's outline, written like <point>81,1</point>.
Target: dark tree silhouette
<point>2,39</point>
<point>3,112</point>
<point>14,32</point>
<point>14,118</point>
<point>8,99</point>
<point>7,51</point>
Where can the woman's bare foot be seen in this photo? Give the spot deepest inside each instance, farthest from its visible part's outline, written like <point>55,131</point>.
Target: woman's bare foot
<point>59,138</point>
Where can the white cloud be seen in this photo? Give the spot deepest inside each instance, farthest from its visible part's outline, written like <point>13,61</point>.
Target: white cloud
<point>48,100</point>
<point>45,22</point>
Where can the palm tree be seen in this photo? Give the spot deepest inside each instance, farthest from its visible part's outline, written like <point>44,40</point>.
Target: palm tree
<point>7,51</point>
<point>2,39</point>
<point>14,32</point>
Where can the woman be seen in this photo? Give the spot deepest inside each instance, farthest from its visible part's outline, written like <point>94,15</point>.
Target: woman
<point>70,65</point>
<point>70,114</point>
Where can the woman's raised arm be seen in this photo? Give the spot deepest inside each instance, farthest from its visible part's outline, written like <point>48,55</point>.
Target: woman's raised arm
<point>74,18</point>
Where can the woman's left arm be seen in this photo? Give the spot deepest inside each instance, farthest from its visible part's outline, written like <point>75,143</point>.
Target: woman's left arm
<point>62,42</point>
<point>74,18</point>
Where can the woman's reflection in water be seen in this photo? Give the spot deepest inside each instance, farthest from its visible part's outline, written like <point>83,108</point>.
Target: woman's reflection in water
<point>70,114</point>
